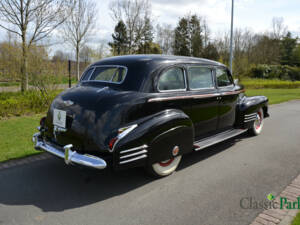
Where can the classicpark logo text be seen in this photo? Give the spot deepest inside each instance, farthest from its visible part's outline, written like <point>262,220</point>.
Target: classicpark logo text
<point>284,203</point>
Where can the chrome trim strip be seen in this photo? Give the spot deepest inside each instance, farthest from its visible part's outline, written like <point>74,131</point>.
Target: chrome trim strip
<point>133,154</point>
<point>194,96</point>
<point>134,149</point>
<point>183,97</point>
<point>246,121</point>
<point>134,159</point>
<point>249,115</point>
<point>69,155</point>
<point>233,92</point>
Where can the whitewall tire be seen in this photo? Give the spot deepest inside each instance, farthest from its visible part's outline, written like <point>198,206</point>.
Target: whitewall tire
<point>258,124</point>
<point>165,168</point>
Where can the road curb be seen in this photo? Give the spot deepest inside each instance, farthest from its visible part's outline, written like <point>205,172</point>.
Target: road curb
<point>23,161</point>
<point>281,216</point>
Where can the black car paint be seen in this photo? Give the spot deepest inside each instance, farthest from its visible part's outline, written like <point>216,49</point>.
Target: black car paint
<point>164,119</point>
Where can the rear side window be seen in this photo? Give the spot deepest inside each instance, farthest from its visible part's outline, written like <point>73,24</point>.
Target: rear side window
<point>113,74</point>
<point>223,78</point>
<point>171,80</point>
<point>200,77</point>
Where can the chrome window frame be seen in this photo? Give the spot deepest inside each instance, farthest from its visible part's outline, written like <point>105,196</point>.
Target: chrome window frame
<point>173,90</point>
<point>212,78</point>
<point>108,82</point>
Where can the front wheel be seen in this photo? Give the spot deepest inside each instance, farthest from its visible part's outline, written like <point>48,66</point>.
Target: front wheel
<point>164,168</point>
<point>258,124</point>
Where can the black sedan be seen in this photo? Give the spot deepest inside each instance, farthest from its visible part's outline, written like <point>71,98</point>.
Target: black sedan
<point>147,111</point>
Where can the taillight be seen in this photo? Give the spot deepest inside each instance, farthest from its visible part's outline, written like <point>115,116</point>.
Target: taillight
<point>42,121</point>
<point>112,143</point>
<point>122,132</point>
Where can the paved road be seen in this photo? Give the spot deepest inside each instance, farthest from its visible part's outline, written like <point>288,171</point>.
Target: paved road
<point>205,190</point>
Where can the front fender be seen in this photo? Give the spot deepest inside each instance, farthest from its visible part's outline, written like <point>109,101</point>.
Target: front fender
<point>157,134</point>
<point>248,106</point>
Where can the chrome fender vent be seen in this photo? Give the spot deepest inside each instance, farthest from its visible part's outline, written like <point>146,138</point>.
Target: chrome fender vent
<point>133,154</point>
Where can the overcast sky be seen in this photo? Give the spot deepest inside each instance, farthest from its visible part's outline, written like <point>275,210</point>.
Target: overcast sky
<point>252,14</point>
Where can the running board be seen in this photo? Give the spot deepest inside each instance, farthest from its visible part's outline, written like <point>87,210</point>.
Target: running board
<point>206,142</point>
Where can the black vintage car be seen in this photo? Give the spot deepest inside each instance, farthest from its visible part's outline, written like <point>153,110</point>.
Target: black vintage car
<point>147,110</point>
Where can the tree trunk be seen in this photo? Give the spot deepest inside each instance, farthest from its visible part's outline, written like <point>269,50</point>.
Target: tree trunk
<point>24,75</point>
<point>77,62</point>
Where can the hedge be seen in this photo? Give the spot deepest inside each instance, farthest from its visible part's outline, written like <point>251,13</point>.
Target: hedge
<point>30,102</point>
<point>274,72</point>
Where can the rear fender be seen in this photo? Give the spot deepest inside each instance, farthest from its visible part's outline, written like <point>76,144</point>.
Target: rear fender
<point>157,134</point>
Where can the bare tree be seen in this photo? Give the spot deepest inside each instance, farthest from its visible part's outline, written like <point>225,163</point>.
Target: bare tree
<point>206,31</point>
<point>165,38</point>
<point>279,30</point>
<point>135,14</point>
<point>78,26</point>
<point>32,21</point>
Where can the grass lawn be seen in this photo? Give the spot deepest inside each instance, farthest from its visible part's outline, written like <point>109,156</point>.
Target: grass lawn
<point>8,84</point>
<point>16,132</point>
<point>276,95</point>
<point>296,221</point>
<point>15,137</point>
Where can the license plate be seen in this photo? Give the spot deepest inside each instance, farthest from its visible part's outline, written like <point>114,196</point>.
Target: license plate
<point>59,118</point>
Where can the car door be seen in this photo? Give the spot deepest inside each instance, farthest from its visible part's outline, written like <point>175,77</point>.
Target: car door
<point>228,98</point>
<point>204,102</point>
<point>171,88</point>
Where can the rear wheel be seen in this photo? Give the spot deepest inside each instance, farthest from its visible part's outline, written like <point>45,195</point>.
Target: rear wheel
<point>257,124</point>
<point>164,168</point>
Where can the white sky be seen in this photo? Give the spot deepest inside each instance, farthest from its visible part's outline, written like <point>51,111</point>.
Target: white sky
<point>252,14</point>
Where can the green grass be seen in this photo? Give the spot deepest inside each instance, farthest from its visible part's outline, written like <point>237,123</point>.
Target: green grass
<point>269,84</point>
<point>15,137</point>
<point>9,84</point>
<point>276,96</point>
<point>296,220</point>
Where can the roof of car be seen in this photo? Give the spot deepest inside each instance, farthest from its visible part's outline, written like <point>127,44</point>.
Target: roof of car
<point>157,59</point>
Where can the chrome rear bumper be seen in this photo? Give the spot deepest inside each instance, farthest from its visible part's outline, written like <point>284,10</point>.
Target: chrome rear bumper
<point>69,155</point>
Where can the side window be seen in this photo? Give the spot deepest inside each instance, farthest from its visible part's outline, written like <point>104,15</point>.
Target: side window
<point>223,78</point>
<point>87,74</point>
<point>172,79</point>
<point>200,77</point>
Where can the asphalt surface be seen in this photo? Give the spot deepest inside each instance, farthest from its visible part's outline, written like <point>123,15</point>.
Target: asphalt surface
<point>206,189</point>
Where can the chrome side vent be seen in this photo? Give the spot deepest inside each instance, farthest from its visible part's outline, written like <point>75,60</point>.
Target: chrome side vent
<point>133,154</point>
<point>250,117</point>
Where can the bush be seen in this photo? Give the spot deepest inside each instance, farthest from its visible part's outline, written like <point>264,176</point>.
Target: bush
<point>274,72</point>
<point>17,104</point>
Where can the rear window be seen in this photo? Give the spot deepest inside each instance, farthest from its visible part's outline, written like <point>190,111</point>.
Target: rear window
<point>112,74</point>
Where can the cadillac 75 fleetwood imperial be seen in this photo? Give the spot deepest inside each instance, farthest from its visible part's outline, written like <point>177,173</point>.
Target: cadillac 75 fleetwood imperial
<point>147,111</point>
